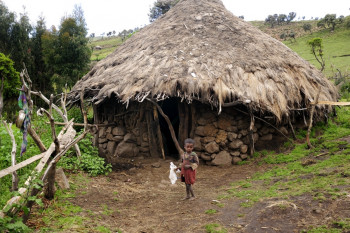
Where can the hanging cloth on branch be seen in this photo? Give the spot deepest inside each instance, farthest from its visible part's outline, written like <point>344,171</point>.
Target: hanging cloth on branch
<point>23,104</point>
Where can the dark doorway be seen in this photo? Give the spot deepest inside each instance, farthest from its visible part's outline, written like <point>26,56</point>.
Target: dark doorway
<point>170,108</point>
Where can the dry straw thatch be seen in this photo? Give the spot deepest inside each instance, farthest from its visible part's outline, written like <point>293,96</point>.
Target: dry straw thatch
<point>199,50</point>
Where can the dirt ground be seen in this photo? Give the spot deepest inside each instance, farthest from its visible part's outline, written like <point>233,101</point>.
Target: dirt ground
<point>142,199</point>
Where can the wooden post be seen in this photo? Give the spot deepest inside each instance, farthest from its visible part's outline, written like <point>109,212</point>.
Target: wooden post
<point>186,121</point>
<point>13,155</point>
<point>181,133</point>
<point>159,133</point>
<point>172,132</point>
<point>151,136</point>
<point>193,120</point>
<point>251,132</point>
<point>311,118</point>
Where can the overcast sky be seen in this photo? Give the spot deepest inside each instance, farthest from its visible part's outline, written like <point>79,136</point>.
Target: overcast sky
<point>108,15</point>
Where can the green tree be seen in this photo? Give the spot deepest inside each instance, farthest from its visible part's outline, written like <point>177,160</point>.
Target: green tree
<point>272,20</point>
<point>40,74</point>
<point>9,80</point>
<point>7,20</point>
<point>317,50</point>
<point>281,19</point>
<point>160,7</point>
<point>66,51</point>
<point>291,16</point>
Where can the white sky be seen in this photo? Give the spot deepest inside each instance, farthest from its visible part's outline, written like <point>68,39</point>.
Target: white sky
<point>108,15</point>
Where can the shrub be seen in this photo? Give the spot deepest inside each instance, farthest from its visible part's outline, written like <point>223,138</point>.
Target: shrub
<point>89,161</point>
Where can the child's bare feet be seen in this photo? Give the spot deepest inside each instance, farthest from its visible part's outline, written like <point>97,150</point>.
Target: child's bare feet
<point>186,198</point>
<point>192,198</point>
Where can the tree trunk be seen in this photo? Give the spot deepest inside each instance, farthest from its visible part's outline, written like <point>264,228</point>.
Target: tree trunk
<point>151,136</point>
<point>50,183</point>
<point>36,139</point>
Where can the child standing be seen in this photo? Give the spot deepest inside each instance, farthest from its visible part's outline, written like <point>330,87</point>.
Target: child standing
<point>190,163</point>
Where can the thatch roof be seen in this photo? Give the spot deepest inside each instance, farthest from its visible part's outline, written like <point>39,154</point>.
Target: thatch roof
<point>199,50</point>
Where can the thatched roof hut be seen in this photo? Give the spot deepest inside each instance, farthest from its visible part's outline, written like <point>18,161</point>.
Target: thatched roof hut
<point>199,51</point>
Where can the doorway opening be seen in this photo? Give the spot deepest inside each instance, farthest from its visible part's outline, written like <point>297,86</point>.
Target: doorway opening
<point>170,108</point>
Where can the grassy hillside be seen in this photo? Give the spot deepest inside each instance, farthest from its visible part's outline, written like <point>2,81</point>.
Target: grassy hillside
<point>108,45</point>
<point>336,45</point>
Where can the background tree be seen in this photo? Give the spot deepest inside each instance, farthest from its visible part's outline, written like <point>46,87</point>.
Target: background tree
<point>272,20</point>
<point>317,50</point>
<point>241,16</point>
<point>9,81</point>
<point>66,51</point>
<point>281,19</point>
<point>291,16</point>
<point>160,7</point>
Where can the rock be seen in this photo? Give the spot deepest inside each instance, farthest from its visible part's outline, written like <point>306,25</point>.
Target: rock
<point>212,147</point>
<point>156,165</point>
<point>244,132</point>
<point>244,156</point>
<point>244,148</point>
<point>284,130</point>
<point>206,140</point>
<point>267,137</point>
<point>213,156</point>
<point>235,144</point>
<point>200,131</point>
<point>197,144</point>
<point>221,136</point>
<point>232,129</point>
<point>104,145</point>
<point>236,160</point>
<point>102,140</point>
<point>232,136</point>
<point>243,124</point>
<point>126,149</point>
<point>205,157</point>
<point>206,118</point>
<point>111,147</point>
<point>109,129</point>
<point>264,130</point>
<point>223,144</point>
<point>246,140</point>
<point>205,131</point>
<point>239,135</point>
<point>118,131</point>
<point>61,179</point>
<point>224,122</point>
<point>223,158</point>
<point>145,137</point>
<point>235,153</point>
<point>102,132</point>
<point>144,149</point>
<point>129,137</point>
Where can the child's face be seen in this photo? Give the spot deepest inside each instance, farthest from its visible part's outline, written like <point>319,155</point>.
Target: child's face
<point>188,147</point>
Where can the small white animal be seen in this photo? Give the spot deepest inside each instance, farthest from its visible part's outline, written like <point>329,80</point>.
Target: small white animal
<point>172,175</point>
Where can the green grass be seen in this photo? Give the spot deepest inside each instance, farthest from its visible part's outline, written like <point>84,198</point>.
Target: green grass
<point>335,44</point>
<point>215,228</point>
<point>108,45</point>
<point>211,211</point>
<point>291,176</point>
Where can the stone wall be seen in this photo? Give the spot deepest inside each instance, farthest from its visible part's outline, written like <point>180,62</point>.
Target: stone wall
<point>123,139</point>
<point>223,139</point>
<point>219,139</point>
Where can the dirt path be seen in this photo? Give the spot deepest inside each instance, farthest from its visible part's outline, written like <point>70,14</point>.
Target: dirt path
<point>143,199</point>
